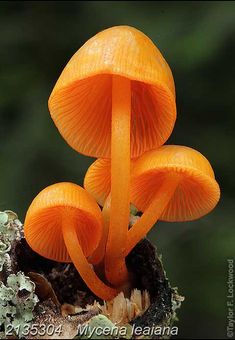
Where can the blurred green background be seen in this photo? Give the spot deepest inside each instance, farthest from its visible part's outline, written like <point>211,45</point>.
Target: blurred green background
<point>197,39</point>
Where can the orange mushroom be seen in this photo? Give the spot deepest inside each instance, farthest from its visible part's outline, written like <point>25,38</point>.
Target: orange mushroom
<point>97,180</point>
<point>64,224</point>
<point>173,183</point>
<point>115,98</point>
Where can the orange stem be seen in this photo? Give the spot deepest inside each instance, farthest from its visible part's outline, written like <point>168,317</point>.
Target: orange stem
<point>83,267</point>
<point>153,212</point>
<point>98,255</point>
<point>115,266</point>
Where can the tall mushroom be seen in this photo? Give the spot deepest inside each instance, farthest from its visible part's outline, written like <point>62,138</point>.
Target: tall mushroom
<point>64,224</point>
<point>115,99</point>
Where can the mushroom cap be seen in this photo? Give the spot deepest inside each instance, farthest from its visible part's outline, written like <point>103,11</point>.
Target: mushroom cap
<point>57,204</point>
<point>97,180</point>
<point>196,194</point>
<point>81,101</point>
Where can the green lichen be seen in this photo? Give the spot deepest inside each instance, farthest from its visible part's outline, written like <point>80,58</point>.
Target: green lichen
<point>17,294</point>
<point>10,230</point>
<point>100,327</point>
<point>17,302</point>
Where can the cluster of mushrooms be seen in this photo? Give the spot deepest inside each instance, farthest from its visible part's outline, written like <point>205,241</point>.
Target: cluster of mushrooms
<point>115,100</point>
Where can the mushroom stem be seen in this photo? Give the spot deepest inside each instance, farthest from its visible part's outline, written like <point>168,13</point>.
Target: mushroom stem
<point>83,267</point>
<point>153,211</point>
<point>98,255</point>
<point>115,266</point>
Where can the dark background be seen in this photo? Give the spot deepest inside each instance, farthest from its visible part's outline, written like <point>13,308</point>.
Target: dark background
<point>197,40</point>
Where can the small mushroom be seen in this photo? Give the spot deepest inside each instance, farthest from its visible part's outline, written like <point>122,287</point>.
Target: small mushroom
<point>64,224</point>
<point>116,99</point>
<point>173,183</point>
<point>97,180</point>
